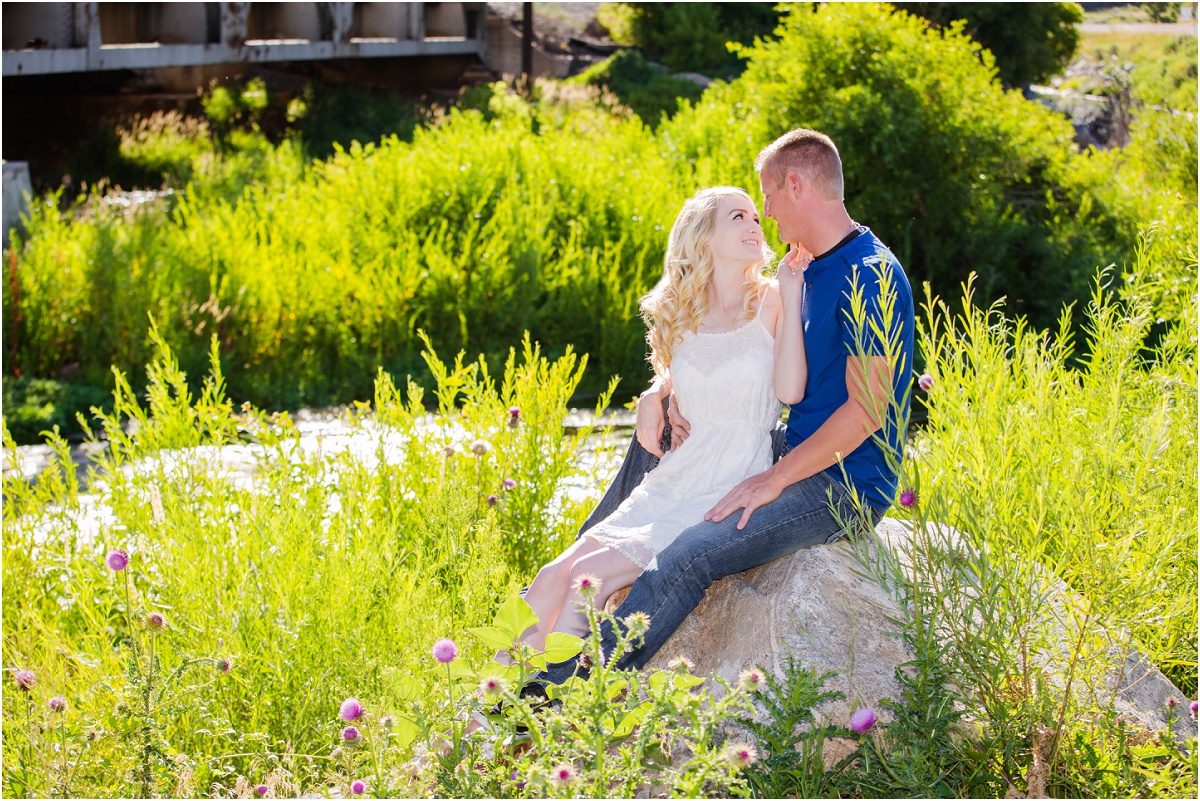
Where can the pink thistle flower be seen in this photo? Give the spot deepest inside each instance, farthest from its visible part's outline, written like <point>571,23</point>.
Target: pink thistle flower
<point>156,620</point>
<point>509,483</point>
<point>351,710</point>
<point>444,651</point>
<point>25,679</point>
<point>1194,708</point>
<point>741,755</point>
<point>117,560</point>
<point>58,703</point>
<point>359,787</point>
<point>492,500</point>
<point>751,680</point>
<point>681,664</point>
<point>563,774</point>
<point>223,665</point>
<point>925,382</point>
<point>514,416</point>
<point>862,719</point>
<point>909,498</point>
<point>587,586</point>
<point>491,686</point>
<point>1171,702</point>
<point>350,734</point>
<point>261,790</point>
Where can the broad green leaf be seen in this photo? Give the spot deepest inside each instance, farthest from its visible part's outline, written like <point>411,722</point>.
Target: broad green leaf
<point>615,687</point>
<point>406,687</point>
<point>630,721</point>
<point>561,646</point>
<point>514,617</point>
<point>685,680</point>
<point>510,672</point>
<point>460,669</point>
<point>492,637</point>
<point>404,731</point>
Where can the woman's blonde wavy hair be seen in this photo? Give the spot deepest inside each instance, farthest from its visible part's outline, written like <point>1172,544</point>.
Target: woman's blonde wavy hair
<point>679,301</point>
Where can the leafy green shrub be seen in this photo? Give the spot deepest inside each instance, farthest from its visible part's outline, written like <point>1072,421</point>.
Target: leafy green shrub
<point>324,115</point>
<point>167,144</point>
<point>690,36</point>
<point>649,91</point>
<point>1089,471</point>
<point>1030,42</point>
<point>954,173</point>
<point>34,405</point>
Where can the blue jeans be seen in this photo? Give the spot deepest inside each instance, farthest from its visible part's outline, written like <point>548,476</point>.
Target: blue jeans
<point>676,581</point>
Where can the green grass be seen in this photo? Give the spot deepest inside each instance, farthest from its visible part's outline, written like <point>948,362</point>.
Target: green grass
<point>332,575</point>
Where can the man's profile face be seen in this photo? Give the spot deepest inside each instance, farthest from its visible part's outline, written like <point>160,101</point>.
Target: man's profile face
<point>779,202</point>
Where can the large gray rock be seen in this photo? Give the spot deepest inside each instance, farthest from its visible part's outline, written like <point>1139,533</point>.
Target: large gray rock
<point>829,607</point>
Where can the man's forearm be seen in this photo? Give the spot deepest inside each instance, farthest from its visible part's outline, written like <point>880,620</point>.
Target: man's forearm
<point>838,437</point>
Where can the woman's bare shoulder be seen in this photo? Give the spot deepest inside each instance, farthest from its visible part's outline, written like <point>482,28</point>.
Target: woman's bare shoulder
<point>770,304</point>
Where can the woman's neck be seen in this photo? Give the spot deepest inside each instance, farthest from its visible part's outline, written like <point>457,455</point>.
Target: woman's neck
<point>725,291</point>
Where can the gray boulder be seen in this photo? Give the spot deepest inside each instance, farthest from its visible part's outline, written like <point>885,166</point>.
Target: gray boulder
<point>833,607</point>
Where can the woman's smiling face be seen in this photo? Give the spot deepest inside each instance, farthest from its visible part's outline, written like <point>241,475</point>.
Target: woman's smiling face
<point>737,237</point>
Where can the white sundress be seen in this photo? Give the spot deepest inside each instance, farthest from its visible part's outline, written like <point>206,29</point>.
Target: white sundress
<point>725,386</point>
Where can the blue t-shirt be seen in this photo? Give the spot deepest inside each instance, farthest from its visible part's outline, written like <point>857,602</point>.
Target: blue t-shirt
<point>844,316</point>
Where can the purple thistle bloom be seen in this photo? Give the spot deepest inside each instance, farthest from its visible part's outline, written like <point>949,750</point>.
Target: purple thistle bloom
<point>862,719</point>
<point>117,560</point>
<point>445,650</point>
<point>587,585</point>
<point>1171,702</point>
<point>1194,708</point>
<point>350,734</point>
<point>509,483</point>
<point>58,703</point>
<point>223,665</point>
<point>492,500</point>
<point>909,498</point>
<point>261,790</point>
<point>751,680</point>
<point>155,620</point>
<point>925,382</point>
<point>359,787</point>
<point>351,709</point>
<point>25,679</point>
<point>563,774</point>
<point>741,755</point>
<point>514,417</point>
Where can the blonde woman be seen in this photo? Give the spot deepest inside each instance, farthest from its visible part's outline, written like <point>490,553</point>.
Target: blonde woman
<point>718,341</point>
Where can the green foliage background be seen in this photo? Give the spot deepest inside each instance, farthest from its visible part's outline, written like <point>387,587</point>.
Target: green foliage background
<point>502,216</point>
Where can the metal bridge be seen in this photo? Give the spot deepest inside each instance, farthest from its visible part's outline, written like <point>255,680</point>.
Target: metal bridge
<point>56,38</point>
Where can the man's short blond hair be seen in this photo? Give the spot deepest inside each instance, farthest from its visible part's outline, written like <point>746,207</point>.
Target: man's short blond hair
<point>808,153</point>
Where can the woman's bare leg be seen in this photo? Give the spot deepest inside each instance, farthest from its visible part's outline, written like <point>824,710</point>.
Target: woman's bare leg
<point>549,590</point>
<point>612,568</point>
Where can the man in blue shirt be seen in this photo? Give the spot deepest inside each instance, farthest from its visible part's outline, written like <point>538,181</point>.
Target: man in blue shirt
<point>836,467</point>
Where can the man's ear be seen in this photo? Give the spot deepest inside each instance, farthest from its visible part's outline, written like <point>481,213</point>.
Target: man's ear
<point>794,183</point>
